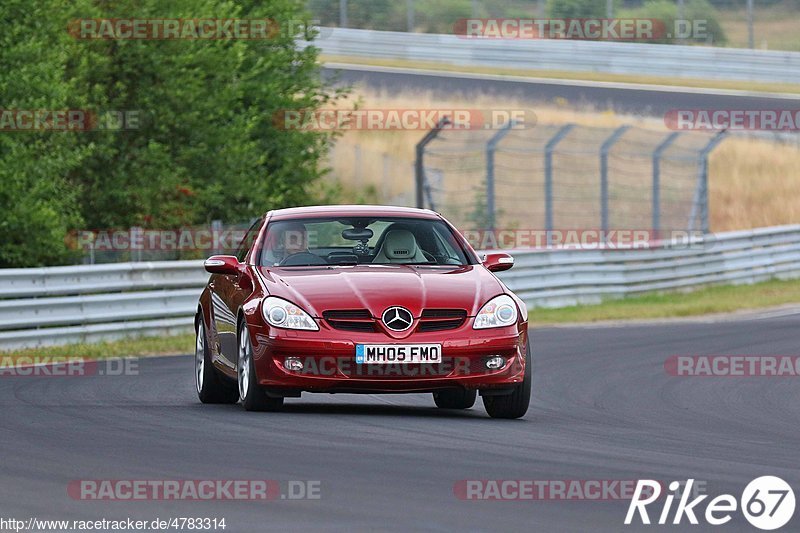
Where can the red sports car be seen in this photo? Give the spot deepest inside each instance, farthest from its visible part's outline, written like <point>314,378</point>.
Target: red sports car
<point>361,299</point>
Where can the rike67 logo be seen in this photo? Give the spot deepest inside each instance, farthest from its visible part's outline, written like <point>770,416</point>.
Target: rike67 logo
<point>767,503</point>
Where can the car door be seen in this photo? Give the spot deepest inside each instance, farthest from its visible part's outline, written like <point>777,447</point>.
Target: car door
<point>227,296</point>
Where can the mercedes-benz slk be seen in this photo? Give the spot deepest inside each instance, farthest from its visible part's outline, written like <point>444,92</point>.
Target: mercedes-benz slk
<point>361,299</point>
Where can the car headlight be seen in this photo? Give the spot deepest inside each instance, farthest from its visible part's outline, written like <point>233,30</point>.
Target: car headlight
<point>498,312</point>
<point>282,314</point>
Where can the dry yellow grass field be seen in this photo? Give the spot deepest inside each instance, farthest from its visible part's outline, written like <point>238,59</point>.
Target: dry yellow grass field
<point>753,182</point>
<point>776,27</point>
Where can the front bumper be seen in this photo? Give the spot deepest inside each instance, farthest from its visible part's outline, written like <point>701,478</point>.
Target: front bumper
<point>329,364</point>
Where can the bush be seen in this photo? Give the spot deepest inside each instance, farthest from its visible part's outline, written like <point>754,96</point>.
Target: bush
<point>576,9</point>
<point>667,11</point>
<point>206,146</point>
<point>39,205</point>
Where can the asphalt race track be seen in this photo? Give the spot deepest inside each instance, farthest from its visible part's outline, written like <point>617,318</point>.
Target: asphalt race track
<point>603,409</point>
<point>623,98</point>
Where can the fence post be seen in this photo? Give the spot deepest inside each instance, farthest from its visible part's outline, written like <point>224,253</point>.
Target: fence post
<point>135,243</point>
<point>342,13</point>
<point>90,259</point>
<point>657,153</point>
<point>419,164</point>
<point>216,233</point>
<point>357,164</point>
<point>548,177</point>
<point>386,181</point>
<point>604,150</point>
<point>491,147</point>
<point>700,201</point>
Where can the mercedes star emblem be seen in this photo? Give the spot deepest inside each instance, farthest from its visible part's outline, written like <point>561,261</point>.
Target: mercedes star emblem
<point>397,318</point>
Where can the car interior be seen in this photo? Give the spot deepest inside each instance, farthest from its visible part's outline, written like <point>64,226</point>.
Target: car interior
<point>421,242</point>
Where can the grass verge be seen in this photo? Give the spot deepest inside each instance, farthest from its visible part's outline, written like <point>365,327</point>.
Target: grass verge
<point>788,88</point>
<point>142,346</point>
<point>710,300</point>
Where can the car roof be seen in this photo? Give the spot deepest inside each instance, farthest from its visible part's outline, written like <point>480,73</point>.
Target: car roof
<point>350,210</point>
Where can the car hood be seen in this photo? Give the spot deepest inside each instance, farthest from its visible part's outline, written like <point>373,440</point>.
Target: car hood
<point>376,287</point>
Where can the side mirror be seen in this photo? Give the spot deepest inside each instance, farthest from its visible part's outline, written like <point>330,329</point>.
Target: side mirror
<point>497,262</point>
<point>222,264</point>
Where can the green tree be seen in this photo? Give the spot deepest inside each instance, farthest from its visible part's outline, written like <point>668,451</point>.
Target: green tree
<point>206,143</point>
<point>38,205</point>
<point>695,10</point>
<point>576,9</point>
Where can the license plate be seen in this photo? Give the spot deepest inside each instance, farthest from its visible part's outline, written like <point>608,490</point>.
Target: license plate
<point>382,354</point>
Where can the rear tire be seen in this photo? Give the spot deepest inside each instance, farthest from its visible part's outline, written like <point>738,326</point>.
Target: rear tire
<point>455,399</point>
<point>209,385</point>
<point>251,394</point>
<point>513,405</point>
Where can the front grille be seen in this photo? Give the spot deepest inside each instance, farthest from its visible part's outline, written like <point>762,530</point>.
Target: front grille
<point>441,319</point>
<point>361,319</point>
<point>350,319</point>
<point>347,314</point>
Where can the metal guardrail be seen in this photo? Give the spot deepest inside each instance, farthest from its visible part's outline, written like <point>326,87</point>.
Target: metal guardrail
<point>72,304</point>
<point>563,278</point>
<point>60,305</point>
<point>674,61</point>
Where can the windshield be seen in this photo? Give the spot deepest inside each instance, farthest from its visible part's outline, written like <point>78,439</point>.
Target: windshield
<point>360,240</point>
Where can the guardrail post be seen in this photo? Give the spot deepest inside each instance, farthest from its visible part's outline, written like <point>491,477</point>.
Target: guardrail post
<point>491,148</point>
<point>604,149</point>
<point>700,201</point>
<point>548,177</point>
<point>657,153</point>
<point>419,164</point>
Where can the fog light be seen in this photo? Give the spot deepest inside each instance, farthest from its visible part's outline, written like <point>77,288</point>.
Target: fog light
<point>495,362</point>
<point>293,364</point>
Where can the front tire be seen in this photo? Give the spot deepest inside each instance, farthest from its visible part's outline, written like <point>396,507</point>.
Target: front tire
<point>209,384</point>
<point>513,405</point>
<point>455,399</point>
<point>251,394</point>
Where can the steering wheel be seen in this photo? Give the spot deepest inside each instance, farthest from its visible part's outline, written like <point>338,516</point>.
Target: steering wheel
<point>302,259</point>
<point>428,256</point>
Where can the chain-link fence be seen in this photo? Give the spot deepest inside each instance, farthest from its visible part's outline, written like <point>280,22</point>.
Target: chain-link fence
<point>568,177</point>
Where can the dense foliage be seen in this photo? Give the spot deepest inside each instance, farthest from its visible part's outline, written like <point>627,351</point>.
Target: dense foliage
<point>202,142</point>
